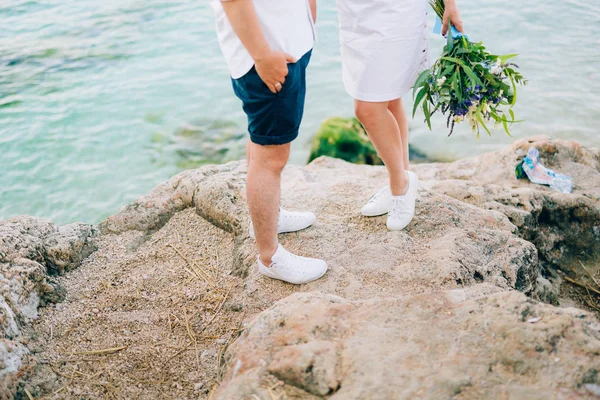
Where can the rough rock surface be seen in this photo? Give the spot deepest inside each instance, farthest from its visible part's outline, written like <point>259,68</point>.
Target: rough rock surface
<point>564,227</point>
<point>429,346</point>
<point>30,249</point>
<point>435,311</point>
<point>448,245</point>
<point>149,213</point>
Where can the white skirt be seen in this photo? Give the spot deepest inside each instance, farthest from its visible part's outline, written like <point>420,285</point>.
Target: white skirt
<point>384,46</point>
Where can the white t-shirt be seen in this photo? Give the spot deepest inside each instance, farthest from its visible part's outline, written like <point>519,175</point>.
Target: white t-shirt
<point>287,25</point>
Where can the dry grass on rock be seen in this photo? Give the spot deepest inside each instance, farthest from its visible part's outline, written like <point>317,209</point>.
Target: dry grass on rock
<point>583,287</point>
<point>145,318</point>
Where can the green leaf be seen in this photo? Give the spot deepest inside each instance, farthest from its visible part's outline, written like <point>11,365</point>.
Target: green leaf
<point>464,41</point>
<point>472,77</point>
<point>454,60</point>
<point>505,124</point>
<point>421,79</point>
<point>514,86</point>
<point>420,96</point>
<point>427,115</point>
<point>448,70</point>
<point>512,114</point>
<point>507,57</point>
<point>457,89</point>
<point>463,51</point>
<point>450,42</point>
<point>482,122</point>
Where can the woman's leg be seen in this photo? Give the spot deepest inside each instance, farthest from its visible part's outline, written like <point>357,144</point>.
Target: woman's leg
<point>384,132</point>
<point>396,107</point>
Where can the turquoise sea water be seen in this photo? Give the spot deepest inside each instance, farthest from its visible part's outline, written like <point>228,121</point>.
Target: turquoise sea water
<point>92,94</point>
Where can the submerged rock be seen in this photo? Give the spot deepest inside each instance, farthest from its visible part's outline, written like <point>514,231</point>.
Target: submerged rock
<point>203,142</point>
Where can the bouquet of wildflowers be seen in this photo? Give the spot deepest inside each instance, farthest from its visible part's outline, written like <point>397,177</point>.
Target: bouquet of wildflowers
<point>468,84</point>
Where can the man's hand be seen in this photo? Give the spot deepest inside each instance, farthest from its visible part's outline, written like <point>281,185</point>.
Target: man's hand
<point>453,14</point>
<point>272,68</point>
<point>271,65</point>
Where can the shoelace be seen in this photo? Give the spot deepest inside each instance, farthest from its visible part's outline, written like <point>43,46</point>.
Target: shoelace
<point>398,207</point>
<point>299,258</point>
<point>293,216</point>
<point>378,195</point>
<point>286,266</point>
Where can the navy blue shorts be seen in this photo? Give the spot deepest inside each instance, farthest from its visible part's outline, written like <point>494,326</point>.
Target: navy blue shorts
<point>274,118</point>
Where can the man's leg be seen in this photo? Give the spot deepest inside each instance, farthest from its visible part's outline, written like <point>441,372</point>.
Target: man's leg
<point>248,144</point>
<point>263,190</point>
<point>263,187</point>
<point>396,107</point>
<point>271,120</point>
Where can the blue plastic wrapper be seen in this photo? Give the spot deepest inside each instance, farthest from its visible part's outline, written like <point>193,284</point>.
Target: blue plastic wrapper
<point>539,174</point>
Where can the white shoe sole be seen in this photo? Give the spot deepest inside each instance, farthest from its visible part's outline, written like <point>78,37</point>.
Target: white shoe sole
<point>266,272</point>
<point>366,214</point>
<point>400,227</point>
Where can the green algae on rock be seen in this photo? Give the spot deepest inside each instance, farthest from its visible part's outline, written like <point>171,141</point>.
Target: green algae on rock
<point>346,138</point>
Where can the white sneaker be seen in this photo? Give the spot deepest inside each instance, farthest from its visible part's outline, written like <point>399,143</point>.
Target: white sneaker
<point>291,268</point>
<point>290,221</point>
<point>379,204</point>
<point>402,209</point>
<point>382,201</point>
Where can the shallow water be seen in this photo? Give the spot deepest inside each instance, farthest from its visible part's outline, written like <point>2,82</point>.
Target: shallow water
<point>93,93</point>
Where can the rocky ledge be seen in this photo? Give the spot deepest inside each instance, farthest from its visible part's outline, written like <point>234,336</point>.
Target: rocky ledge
<point>166,301</point>
<point>32,252</point>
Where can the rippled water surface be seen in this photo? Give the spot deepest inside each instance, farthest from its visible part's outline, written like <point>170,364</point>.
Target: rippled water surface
<point>98,99</point>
